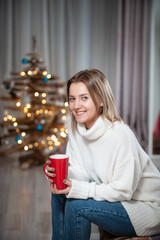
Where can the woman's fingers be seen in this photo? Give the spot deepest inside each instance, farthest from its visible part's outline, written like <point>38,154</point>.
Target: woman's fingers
<point>54,189</point>
<point>67,182</point>
<point>50,180</point>
<point>50,171</point>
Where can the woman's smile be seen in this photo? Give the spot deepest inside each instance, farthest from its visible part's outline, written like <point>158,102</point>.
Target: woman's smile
<point>81,113</point>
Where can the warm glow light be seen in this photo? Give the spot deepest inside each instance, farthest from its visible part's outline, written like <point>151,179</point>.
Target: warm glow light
<point>36,144</point>
<point>9,117</point>
<point>28,114</point>
<point>43,142</point>
<point>45,111</point>
<point>28,105</point>
<point>17,130</point>
<point>43,94</point>
<point>45,73</point>
<point>63,111</point>
<point>66,130</point>
<point>13,119</point>
<point>30,146</point>
<point>53,137</point>
<point>50,147</point>
<point>63,134</point>
<point>48,76</point>
<point>57,143</point>
<point>30,72</point>
<point>64,117</point>
<point>36,94</point>
<point>43,101</point>
<point>25,109</point>
<point>26,148</point>
<point>66,104</point>
<point>15,124</point>
<point>22,74</point>
<point>34,72</point>
<point>48,138</point>
<point>18,104</point>
<point>50,142</point>
<point>62,129</point>
<point>5,119</point>
<point>55,129</point>
<point>19,141</point>
<point>41,110</point>
<point>23,134</point>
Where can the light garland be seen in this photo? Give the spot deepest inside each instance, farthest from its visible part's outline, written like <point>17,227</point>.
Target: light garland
<point>43,95</point>
<point>36,94</point>
<point>44,73</point>
<point>22,74</point>
<point>26,148</point>
<point>23,134</point>
<point>15,124</point>
<point>66,104</point>
<point>43,101</point>
<point>18,104</point>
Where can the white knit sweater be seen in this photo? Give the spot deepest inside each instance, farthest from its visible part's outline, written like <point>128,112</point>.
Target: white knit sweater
<point>107,163</point>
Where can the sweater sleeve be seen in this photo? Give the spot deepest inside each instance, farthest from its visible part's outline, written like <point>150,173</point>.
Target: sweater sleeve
<point>75,171</point>
<point>125,177</point>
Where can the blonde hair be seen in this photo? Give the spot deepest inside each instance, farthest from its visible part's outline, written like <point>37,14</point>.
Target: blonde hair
<point>100,91</point>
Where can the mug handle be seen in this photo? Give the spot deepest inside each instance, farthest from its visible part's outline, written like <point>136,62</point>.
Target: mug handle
<point>44,170</point>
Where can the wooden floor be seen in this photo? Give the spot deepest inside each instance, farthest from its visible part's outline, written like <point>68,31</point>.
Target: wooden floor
<point>25,212</point>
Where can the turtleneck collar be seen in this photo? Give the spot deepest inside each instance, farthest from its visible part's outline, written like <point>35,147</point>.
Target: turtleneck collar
<point>96,131</point>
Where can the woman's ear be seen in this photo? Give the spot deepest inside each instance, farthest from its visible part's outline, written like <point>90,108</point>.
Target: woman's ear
<point>101,108</point>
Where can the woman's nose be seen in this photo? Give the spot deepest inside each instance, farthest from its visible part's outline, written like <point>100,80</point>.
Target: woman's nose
<point>77,104</point>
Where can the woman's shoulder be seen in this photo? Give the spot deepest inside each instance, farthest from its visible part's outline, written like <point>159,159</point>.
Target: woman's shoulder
<point>121,132</point>
<point>120,127</point>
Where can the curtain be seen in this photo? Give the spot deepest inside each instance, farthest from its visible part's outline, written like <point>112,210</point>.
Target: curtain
<point>72,35</point>
<point>132,64</point>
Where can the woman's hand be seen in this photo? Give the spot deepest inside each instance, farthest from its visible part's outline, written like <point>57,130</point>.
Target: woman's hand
<point>50,171</point>
<point>64,191</point>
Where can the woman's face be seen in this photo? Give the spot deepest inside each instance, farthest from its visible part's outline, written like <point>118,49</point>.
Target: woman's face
<point>82,105</point>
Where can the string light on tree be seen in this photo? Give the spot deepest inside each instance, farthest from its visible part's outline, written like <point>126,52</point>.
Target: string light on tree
<point>40,111</point>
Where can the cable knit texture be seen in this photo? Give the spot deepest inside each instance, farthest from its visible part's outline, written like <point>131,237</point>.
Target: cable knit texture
<point>107,163</point>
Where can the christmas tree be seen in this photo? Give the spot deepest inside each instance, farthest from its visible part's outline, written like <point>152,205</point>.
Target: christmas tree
<point>35,112</point>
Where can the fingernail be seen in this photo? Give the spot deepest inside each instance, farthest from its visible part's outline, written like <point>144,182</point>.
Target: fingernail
<point>64,181</point>
<point>53,169</point>
<point>53,175</point>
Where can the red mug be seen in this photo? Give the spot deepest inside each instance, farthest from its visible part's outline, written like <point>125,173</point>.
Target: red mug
<point>60,163</point>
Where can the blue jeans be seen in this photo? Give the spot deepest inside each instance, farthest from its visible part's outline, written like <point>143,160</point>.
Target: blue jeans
<point>71,218</point>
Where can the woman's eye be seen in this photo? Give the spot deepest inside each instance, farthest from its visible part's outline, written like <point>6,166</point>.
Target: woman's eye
<point>71,99</point>
<point>84,98</point>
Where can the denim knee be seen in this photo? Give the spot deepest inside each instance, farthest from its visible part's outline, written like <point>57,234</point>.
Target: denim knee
<point>76,225</point>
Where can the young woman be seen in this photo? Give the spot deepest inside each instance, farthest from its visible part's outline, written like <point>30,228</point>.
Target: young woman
<point>111,181</point>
